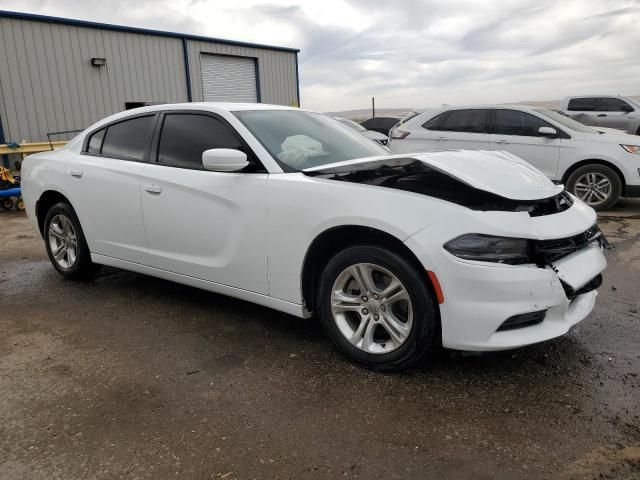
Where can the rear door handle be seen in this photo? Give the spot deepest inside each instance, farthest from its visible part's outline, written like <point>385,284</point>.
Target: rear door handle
<point>76,173</point>
<point>503,142</point>
<point>155,189</point>
<point>440,139</point>
<point>602,114</point>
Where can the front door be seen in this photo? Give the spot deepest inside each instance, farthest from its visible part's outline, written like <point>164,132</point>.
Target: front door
<point>207,225</point>
<point>517,132</point>
<point>614,113</point>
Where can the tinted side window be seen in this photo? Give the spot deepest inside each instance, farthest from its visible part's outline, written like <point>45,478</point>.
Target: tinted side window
<point>514,122</point>
<point>582,105</point>
<point>470,121</point>
<point>128,139</point>
<point>435,123</point>
<point>613,105</point>
<point>185,136</point>
<point>95,142</point>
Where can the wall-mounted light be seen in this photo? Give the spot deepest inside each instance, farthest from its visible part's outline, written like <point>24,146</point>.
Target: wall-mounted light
<point>98,61</point>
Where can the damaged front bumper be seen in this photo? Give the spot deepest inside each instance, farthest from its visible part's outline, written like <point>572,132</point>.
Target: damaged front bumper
<point>489,306</point>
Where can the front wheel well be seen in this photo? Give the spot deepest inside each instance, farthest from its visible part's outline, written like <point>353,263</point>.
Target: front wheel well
<point>582,163</point>
<point>336,239</point>
<point>47,200</point>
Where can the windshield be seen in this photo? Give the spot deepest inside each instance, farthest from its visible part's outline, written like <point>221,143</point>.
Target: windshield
<point>299,140</point>
<point>566,121</point>
<point>351,124</point>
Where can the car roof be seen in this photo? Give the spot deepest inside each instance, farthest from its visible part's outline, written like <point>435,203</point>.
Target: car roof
<point>480,106</point>
<point>213,106</point>
<point>596,95</point>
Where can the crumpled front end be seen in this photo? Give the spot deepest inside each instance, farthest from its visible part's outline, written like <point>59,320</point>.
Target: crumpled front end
<point>496,306</point>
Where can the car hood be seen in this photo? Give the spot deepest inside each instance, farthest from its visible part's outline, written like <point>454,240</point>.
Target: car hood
<point>499,173</point>
<point>373,135</point>
<point>611,137</point>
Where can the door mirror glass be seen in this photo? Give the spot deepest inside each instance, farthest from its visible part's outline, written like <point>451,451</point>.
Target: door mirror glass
<point>548,132</point>
<point>224,160</point>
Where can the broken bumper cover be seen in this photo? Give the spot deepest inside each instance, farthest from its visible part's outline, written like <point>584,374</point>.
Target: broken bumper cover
<point>480,297</point>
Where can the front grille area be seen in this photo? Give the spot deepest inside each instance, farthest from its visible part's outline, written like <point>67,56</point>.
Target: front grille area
<point>551,250</point>
<point>523,320</point>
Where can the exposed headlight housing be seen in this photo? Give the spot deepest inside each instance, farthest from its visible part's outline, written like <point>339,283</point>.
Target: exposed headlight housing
<point>488,248</point>
<point>632,148</point>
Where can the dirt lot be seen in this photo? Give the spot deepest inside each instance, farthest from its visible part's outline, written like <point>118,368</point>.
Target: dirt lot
<point>133,377</point>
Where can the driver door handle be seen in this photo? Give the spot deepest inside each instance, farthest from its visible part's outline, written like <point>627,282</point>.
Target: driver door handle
<point>155,189</point>
<point>503,142</point>
<point>602,114</point>
<point>440,139</point>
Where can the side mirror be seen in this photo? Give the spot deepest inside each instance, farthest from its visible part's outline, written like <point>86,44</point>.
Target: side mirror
<point>548,132</point>
<point>626,108</point>
<point>224,160</point>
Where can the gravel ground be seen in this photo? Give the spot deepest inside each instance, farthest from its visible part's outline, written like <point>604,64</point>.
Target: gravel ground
<point>133,377</point>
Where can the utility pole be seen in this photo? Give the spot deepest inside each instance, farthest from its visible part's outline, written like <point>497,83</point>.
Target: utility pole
<point>373,106</point>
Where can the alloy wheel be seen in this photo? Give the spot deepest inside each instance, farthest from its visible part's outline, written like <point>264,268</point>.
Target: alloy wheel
<point>372,308</point>
<point>63,241</point>
<point>593,188</point>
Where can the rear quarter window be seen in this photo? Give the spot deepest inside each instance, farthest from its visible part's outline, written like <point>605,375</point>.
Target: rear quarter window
<point>95,142</point>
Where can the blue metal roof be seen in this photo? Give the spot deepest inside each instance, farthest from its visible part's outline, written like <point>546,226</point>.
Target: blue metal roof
<point>144,31</point>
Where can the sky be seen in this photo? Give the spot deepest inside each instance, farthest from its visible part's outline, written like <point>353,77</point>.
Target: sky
<point>411,53</point>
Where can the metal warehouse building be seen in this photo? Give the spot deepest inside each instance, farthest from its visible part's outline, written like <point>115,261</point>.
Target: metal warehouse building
<point>60,74</point>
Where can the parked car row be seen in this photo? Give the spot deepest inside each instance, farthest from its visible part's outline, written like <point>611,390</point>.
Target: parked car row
<point>381,138</point>
<point>596,167</point>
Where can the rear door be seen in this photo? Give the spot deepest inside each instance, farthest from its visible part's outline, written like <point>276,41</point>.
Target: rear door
<point>615,113</point>
<point>204,224</point>
<point>516,132</point>
<point>583,110</point>
<point>105,187</point>
<point>454,129</point>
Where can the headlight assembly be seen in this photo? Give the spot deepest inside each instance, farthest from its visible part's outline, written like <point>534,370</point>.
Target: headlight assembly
<point>632,148</point>
<point>487,248</point>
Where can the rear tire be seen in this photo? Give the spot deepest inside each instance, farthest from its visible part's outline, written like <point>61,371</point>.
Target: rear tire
<point>66,245</point>
<point>597,185</point>
<point>377,308</point>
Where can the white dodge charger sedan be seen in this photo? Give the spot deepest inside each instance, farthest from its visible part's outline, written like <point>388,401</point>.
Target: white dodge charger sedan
<point>290,209</point>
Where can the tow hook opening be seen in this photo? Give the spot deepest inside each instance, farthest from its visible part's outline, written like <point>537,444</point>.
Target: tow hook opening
<point>522,320</point>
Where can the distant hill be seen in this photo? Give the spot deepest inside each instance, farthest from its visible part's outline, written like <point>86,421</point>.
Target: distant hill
<point>364,113</point>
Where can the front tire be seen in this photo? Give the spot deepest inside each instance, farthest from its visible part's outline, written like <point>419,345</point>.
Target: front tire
<point>596,185</point>
<point>377,308</point>
<point>66,245</point>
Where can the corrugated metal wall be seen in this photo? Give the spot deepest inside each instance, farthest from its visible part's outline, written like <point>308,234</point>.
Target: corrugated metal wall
<point>47,83</point>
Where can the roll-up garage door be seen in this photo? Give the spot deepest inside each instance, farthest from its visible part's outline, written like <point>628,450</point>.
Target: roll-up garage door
<point>228,79</point>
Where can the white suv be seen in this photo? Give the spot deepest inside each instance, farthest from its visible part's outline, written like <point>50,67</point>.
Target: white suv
<point>597,167</point>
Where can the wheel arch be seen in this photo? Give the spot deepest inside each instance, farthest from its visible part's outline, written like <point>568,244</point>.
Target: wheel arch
<point>590,161</point>
<point>47,200</point>
<point>336,239</point>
